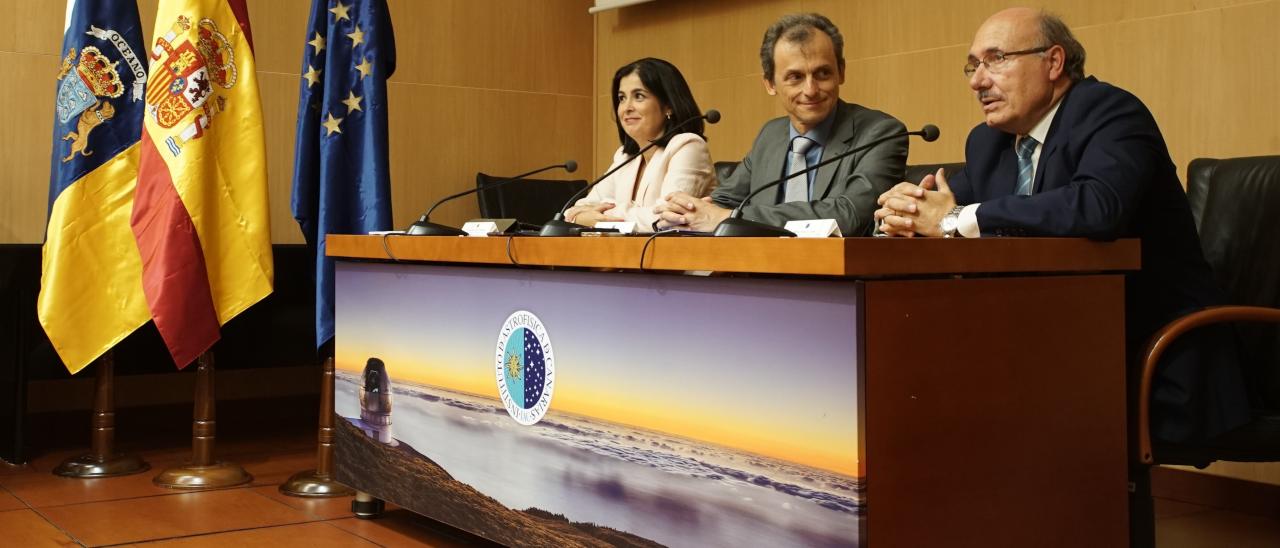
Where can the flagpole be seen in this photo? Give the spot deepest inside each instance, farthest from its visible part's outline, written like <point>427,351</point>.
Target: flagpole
<point>102,461</point>
<point>319,482</point>
<point>203,471</point>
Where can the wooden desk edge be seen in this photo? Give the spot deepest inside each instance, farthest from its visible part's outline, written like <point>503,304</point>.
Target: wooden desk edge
<point>843,257</point>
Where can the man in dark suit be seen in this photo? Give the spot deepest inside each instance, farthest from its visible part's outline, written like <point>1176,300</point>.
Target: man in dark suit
<point>803,61</point>
<point>1064,155</point>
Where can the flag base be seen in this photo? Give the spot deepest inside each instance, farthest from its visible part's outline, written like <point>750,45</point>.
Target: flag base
<point>218,474</point>
<point>310,484</point>
<point>96,466</point>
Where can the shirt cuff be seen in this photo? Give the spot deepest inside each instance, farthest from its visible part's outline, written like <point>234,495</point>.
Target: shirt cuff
<point>967,222</point>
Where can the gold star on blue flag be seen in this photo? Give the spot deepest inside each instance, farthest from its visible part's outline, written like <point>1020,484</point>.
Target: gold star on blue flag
<point>341,175</point>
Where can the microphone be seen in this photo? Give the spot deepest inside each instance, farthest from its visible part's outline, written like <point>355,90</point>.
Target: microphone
<point>424,226</point>
<point>559,227</point>
<point>736,226</point>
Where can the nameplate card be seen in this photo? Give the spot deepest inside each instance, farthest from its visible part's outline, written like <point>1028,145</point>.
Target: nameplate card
<point>814,228</point>
<point>623,227</point>
<point>480,228</point>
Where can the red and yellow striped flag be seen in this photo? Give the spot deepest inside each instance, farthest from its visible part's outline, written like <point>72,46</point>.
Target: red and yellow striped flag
<point>200,214</point>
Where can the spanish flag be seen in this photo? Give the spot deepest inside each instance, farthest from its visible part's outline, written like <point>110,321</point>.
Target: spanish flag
<point>200,214</point>
<point>91,282</point>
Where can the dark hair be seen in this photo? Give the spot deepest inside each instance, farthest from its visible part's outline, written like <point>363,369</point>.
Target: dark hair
<point>666,83</point>
<point>797,28</point>
<point>1056,32</point>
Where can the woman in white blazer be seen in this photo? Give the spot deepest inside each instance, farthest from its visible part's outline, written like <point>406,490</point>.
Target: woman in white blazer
<point>649,97</point>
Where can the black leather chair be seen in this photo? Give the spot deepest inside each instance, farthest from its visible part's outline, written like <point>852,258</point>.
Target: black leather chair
<point>917,172</point>
<point>528,201</point>
<point>1234,201</point>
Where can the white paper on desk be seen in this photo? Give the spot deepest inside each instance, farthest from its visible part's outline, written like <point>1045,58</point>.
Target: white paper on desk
<point>480,228</point>
<point>624,227</point>
<point>814,228</point>
<point>384,232</point>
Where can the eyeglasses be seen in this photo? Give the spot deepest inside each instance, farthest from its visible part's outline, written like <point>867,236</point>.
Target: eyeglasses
<point>996,60</point>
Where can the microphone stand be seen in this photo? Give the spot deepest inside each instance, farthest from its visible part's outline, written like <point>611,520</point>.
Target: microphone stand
<point>557,226</point>
<point>424,227</point>
<point>736,227</point>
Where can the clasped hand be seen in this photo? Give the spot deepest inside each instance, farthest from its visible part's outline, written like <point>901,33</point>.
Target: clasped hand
<point>683,211</point>
<point>908,209</point>
<point>590,214</point>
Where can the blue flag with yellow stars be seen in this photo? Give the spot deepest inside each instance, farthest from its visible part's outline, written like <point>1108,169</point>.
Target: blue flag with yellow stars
<point>341,176</point>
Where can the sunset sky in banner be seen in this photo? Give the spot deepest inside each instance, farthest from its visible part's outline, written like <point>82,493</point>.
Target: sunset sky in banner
<point>729,371</point>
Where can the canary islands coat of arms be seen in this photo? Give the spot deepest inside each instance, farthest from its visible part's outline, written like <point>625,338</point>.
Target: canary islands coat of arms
<point>88,81</point>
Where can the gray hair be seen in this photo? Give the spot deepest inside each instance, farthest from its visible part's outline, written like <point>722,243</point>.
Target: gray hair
<point>1056,32</point>
<point>797,28</point>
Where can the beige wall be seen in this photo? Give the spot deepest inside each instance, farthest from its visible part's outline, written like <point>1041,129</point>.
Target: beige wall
<point>500,86</point>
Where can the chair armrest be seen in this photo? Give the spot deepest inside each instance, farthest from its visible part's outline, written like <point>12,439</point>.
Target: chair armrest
<point>1160,342</point>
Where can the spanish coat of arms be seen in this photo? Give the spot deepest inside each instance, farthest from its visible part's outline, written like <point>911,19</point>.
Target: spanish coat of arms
<point>182,93</point>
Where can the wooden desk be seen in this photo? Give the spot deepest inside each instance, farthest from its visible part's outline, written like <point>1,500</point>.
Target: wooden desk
<point>991,372</point>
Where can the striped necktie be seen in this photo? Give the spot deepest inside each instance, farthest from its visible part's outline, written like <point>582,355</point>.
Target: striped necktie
<point>798,186</point>
<point>1026,169</point>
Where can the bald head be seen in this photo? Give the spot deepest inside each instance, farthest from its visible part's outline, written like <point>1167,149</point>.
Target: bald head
<point>1023,69</point>
<point>1032,24</point>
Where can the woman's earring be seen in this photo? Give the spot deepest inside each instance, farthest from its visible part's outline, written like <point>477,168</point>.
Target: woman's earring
<point>668,115</point>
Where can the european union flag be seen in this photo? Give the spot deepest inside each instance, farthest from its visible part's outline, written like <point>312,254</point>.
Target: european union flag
<point>341,179</point>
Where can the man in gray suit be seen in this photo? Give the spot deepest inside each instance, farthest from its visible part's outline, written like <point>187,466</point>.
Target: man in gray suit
<point>803,60</point>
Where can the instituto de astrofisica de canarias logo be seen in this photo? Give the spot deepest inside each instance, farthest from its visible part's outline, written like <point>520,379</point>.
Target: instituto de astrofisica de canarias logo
<point>525,367</point>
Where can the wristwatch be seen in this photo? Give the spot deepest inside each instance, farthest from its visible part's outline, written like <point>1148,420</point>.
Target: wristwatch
<point>950,223</point>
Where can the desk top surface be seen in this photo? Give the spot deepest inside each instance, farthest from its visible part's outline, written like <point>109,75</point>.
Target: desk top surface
<point>843,257</point>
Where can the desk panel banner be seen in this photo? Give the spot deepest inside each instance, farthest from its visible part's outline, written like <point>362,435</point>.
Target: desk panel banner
<point>549,408</point>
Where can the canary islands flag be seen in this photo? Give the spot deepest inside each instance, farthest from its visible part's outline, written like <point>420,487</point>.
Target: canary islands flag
<point>90,287</point>
<point>341,178</point>
<point>200,214</point>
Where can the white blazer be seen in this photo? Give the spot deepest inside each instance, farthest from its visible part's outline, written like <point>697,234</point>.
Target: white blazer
<point>684,165</point>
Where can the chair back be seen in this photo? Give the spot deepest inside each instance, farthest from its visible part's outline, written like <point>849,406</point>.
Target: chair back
<point>917,172</point>
<point>528,201</point>
<point>724,170</point>
<point>1236,203</point>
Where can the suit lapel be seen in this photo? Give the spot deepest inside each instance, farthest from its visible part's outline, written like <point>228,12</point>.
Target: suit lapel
<point>1056,138</point>
<point>772,161</point>
<point>840,141</point>
<point>1006,181</point>
<point>628,173</point>
<point>646,179</point>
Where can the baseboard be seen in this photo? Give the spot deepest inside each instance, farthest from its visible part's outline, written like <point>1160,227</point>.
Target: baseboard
<point>178,387</point>
<point>1236,495</point>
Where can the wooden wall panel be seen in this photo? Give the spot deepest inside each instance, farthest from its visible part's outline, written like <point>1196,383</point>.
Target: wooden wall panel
<point>25,137</point>
<point>481,85</point>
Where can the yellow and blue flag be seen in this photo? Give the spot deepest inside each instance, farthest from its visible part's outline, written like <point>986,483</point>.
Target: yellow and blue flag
<point>341,177</point>
<point>91,282</point>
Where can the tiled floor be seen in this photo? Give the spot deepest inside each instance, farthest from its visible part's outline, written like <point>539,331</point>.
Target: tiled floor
<point>40,509</point>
